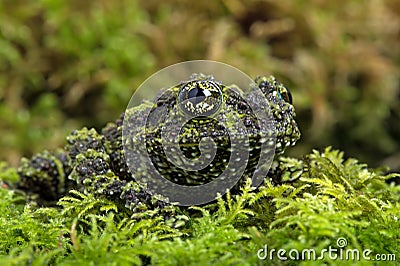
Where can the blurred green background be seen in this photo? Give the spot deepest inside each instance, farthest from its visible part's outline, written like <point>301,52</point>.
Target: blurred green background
<point>69,64</point>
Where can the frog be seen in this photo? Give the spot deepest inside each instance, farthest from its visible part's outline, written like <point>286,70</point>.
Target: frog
<point>96,162</point>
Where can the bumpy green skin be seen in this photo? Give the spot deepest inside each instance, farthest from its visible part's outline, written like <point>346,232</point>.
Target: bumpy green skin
<point>234,100</point>
<point>46,174</point>
<point>95,163</point>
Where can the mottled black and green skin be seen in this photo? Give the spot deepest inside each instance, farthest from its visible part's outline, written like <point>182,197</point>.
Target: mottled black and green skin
<point>95,162</point>
<point>190,135</point>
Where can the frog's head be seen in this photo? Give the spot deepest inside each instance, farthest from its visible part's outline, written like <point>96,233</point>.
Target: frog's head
<point>282,110</point>
<point>203,96</point>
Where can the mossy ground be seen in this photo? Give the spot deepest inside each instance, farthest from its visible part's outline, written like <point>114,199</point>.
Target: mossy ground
<point>325,197</point>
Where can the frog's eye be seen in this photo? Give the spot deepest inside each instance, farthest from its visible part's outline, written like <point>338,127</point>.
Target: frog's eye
<point>284,93</point>
<point>200,97</point>
<point>271,86</point>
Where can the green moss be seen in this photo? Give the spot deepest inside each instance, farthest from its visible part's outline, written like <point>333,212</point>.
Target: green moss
<point>324,197</point>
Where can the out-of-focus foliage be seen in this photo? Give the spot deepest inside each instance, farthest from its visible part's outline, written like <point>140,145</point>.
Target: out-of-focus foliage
<point>63,64</point>
<point>69,63</point>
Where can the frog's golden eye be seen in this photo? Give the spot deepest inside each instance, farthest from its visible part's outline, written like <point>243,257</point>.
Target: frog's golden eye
<point>200,98</point>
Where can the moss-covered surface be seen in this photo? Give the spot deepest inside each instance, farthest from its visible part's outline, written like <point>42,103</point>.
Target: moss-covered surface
<point>324,197</point>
